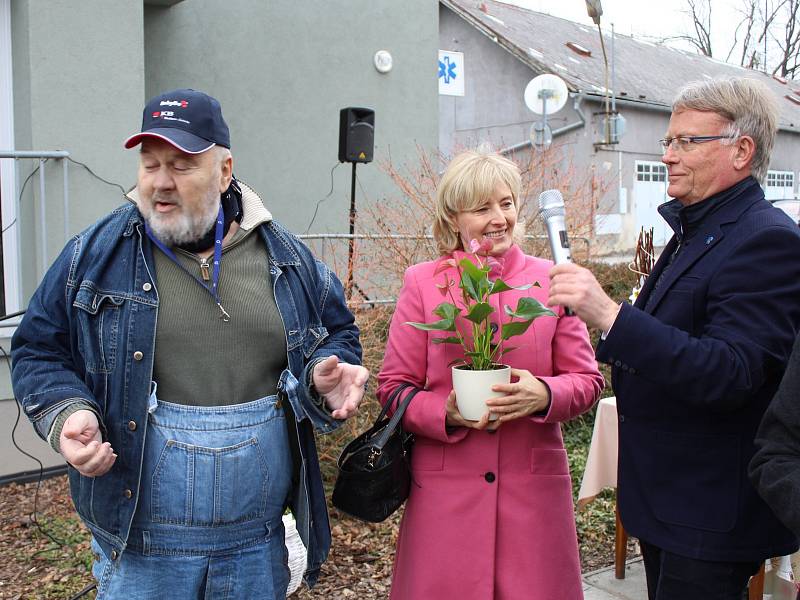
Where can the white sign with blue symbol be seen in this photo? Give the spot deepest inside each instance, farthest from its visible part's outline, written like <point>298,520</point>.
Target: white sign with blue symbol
<point>451,73</point>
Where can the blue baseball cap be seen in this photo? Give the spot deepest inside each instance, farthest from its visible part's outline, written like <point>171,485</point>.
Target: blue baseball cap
<point>189,120</point>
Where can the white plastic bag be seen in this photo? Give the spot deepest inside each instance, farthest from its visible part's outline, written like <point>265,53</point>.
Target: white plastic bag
<point>297,554</point>
<point>779,581</point>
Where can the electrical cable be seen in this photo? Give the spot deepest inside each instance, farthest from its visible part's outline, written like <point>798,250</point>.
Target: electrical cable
<point>21,191</point>
<point>19,313</point>
<point>316,208</point>
<point>33,516</point>
<point>95,175</point>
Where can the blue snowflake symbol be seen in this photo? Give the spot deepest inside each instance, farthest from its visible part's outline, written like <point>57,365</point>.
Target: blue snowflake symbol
<point>447,69</point>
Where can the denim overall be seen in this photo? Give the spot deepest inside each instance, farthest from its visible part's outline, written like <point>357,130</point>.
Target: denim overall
<point>215,482</point>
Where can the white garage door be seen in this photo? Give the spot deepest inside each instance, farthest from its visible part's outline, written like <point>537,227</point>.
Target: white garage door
<point>650,190</point>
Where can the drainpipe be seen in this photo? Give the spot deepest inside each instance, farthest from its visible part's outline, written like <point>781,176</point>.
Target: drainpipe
<point>576,105</point>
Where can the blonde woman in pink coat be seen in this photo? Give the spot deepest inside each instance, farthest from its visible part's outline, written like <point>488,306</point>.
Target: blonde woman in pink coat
<point>491,514</point>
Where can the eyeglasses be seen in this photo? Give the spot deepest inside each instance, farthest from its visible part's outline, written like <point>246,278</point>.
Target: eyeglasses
<point>687,143</point>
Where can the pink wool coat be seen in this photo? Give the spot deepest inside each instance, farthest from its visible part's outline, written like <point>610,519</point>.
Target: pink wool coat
<point>491,514</point>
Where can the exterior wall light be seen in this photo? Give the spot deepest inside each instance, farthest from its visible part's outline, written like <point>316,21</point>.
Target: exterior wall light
<point>382,61</point>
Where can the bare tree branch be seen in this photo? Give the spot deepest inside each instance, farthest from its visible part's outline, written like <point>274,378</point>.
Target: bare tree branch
<point>700,13</point>
<point>789,43</point>
<point>767,37</point>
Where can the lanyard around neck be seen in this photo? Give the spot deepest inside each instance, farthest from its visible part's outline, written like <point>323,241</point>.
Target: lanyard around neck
<point>213,289</point>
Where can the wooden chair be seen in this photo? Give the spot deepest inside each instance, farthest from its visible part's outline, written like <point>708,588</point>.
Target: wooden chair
<point>620,546</point>
<point>755,589</point>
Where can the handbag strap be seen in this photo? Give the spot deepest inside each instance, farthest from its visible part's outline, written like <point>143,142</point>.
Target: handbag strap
<point>383,438</point>
<point>392,397</point>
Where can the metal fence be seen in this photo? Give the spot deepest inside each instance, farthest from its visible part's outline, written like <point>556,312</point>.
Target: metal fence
<point>42,157</point>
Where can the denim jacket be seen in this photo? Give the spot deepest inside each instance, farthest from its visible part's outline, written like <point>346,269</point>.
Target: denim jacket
<point>88,335</point>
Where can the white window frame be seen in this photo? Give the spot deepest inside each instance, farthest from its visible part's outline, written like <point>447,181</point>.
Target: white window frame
<point>648,169</point>
<point>8,171</point>
<point>786,175</point>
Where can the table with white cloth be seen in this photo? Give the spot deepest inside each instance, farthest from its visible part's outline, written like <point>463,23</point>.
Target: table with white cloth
<point>601,473</point>
<point>601,464</point>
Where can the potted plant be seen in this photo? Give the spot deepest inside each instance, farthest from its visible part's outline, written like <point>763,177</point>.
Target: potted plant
<point>479,368</point>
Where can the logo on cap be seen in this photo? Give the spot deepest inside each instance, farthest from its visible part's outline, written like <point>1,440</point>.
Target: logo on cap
<point>189,120</point>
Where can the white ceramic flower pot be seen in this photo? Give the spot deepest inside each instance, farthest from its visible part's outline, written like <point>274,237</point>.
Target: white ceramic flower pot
<point>474,388</point>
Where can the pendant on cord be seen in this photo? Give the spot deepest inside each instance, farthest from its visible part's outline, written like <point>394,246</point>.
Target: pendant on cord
<point>223,314</point>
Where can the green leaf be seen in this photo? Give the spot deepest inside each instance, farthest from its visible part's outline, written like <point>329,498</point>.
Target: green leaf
<point>514,328</point>
<point>447,310</point>
<point>506,350</point>
<point>447,340</point>
<point>478,312</point>
<point>473,280</point>
<point>529,309</point>
<point>501,286</point>
<point>443,325</point>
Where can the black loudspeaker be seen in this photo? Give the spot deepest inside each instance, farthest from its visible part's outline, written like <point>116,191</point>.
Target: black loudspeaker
<point>356,134</point>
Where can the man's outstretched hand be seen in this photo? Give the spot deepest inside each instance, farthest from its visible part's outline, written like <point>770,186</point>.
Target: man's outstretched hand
<point>341,384</point>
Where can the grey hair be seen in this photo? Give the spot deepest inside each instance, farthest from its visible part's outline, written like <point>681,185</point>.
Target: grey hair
<point>222,153</point>
<point>749,106</point>
<point>468,181</point>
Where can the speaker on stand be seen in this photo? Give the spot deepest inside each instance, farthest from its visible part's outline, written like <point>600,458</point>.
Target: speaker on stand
<point>356,145</point>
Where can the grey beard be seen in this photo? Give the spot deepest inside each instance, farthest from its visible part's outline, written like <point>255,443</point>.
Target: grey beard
<point>187,228</point>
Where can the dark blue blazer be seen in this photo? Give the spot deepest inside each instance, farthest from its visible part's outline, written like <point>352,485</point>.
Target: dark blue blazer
<point>693,374</point>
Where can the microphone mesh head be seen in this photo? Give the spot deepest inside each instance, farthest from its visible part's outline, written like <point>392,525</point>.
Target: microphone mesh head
<point>551,204</point>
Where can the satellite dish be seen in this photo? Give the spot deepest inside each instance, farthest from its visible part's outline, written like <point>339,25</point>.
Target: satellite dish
<point>547,86</point>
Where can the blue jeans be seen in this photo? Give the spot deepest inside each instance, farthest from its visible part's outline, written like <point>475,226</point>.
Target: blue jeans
<point>215,481</point>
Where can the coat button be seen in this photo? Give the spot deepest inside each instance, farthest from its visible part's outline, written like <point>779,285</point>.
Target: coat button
<point>489,477</point>
<point>114,555</point>
<point>617,363</point>
<point>127,493</point>
<point>138,355</point>
<point>147,287</point>
<point>622,418</point>
<point>132,425</point>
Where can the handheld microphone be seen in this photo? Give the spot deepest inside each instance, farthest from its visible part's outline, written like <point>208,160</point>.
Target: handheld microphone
<point>551,208</point>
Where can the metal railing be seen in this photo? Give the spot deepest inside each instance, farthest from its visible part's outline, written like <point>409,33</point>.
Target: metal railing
<point>42,156</point>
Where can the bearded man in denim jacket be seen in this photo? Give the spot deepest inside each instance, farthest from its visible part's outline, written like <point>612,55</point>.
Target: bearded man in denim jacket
<point>179,354</point>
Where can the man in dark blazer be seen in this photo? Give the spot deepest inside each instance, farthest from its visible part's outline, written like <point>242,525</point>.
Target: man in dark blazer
<point>698,357</point>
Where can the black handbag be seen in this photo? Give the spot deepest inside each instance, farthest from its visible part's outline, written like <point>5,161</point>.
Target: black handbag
<point>374,475</point>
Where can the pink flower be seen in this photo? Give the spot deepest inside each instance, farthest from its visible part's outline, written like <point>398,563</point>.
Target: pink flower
<point>444,287</point>
<point>495,266</point>
<point>483,247</point>
<point>444,264</point>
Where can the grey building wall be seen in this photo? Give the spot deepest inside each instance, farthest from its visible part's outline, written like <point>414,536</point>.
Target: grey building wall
<point>785,156</point>
<point>492,108</point>
<point>78,74</point>
<point>282,70</point>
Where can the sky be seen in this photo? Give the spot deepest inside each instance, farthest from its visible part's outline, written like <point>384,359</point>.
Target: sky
<point>656,18</point>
